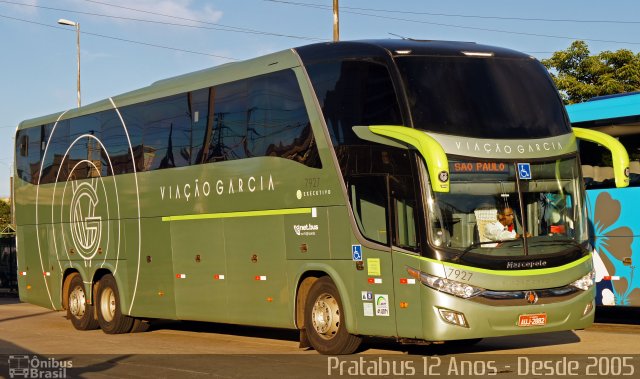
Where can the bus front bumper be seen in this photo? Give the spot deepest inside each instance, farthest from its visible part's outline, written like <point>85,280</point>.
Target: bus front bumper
<point>453,318</point>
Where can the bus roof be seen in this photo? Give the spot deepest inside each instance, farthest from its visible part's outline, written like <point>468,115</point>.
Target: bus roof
<point>395,47</point>
<point>607,108</point>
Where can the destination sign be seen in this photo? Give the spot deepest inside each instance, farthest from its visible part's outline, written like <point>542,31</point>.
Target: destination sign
<point>479,167</point>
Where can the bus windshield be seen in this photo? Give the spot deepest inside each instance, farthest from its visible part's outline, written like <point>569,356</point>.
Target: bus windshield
<point>482,97</point>
<point>495,208</point>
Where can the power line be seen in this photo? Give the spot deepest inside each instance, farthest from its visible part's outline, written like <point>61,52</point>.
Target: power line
<point>316,6</point>
<point>219,27</point>
<point>234,28</point>
<point>321,6</point>
<point>120,39</point>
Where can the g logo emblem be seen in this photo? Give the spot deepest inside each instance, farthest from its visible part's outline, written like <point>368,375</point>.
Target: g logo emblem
<point>86,227</point>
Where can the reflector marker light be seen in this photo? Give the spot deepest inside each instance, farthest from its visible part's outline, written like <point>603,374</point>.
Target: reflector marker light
<point>477,54</point>
<point>375,280</point>
<point>261,277</point>
<point>23,273</point>
<point>407,281</point>
<point>610,278</point>
<point>218,277</point>
<point>46,273</point>
<point>181,276</point>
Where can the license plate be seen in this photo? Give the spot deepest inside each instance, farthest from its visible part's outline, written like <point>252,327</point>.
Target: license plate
<point>538,319</point>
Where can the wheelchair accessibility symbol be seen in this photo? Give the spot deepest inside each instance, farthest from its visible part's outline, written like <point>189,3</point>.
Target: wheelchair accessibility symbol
<point>356,252</point>
<point>524,170</point>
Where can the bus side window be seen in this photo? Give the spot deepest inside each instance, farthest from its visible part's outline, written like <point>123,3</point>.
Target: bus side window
<point>28,145</point>
<point>369,201</point>
<point>405,212</point>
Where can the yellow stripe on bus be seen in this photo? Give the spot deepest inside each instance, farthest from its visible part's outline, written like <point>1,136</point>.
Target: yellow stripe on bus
<point>529,272</point>
<point>271,212</point>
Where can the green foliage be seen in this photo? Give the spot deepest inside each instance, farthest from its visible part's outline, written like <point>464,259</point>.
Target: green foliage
<point>580,76</point>
<point>5,214</point>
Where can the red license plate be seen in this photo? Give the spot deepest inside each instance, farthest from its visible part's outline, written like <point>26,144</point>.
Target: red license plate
<point>538,319</point>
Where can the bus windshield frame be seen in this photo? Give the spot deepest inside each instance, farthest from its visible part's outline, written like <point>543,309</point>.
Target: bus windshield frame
<point>546,207</point>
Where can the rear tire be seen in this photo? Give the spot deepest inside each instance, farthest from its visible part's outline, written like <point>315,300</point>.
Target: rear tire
<point>79,311</point>
<point>325,322</point>
<point>140,326</point>
<point>110,316</point>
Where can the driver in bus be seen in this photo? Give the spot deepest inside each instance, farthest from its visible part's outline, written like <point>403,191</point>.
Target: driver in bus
<point>503,228</point>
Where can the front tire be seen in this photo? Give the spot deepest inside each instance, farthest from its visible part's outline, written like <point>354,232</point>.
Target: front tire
<point>110,316</point>
<point>79,311</point>
<point>325,322</point>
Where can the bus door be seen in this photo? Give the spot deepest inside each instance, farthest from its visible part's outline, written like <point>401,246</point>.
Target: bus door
<point>369,199</point>
<point>405,255</point>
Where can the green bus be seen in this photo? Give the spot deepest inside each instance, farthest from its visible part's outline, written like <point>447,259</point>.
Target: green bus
<point>342,189</point>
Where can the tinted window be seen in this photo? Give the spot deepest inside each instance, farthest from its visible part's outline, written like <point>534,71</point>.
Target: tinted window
<point>354,93</point>
<point>482,97</point>
<point>166,132</point>
<point>117,159</point>
<point>84,159</point>
<point>369,202</point>
<point>201,102</point>
<point>28,143</point>
<point>56,164</point>
<point>260,116</point>
<point>278,122</point>
<point>231,112</point>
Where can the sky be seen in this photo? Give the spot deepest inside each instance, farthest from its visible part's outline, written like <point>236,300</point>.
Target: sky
<point>129,44</point>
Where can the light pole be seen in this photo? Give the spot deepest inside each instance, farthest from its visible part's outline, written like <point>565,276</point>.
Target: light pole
<point>62,21</point>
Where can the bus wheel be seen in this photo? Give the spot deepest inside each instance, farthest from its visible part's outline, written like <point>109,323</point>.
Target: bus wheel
<point>110,316</point>
<point>78,311</point>
<point>324,320</point>
<point>139,326</point>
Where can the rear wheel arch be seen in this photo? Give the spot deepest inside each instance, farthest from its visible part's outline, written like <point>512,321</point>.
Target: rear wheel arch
<point>313,272</point>
<point>66,282</point>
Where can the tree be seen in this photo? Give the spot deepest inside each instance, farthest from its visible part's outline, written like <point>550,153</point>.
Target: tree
<point>580,76</point>
<point>5,214</point>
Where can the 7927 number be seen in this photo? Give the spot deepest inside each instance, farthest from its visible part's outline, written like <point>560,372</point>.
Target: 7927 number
<point>454,273</point>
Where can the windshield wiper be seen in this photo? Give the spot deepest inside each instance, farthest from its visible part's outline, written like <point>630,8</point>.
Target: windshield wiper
<point>559,241</point>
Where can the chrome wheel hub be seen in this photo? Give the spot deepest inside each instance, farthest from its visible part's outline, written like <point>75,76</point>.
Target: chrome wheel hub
<point>108,304</point>
<point>325,316</point>
<point>77,302</point>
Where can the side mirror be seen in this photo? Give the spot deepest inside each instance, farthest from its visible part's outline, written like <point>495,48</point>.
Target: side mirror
<point>618,153</point>
<point>428,147</point>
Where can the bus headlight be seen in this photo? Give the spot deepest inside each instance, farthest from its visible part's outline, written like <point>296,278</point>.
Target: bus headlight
<point>451,287</point>
<point>586,281</point>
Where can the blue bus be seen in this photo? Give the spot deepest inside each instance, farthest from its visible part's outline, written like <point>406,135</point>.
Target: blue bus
<point>613,212</point>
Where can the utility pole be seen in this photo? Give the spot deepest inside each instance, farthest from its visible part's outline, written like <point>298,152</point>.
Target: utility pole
<point>336,22</point>
<point>11,203</point>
